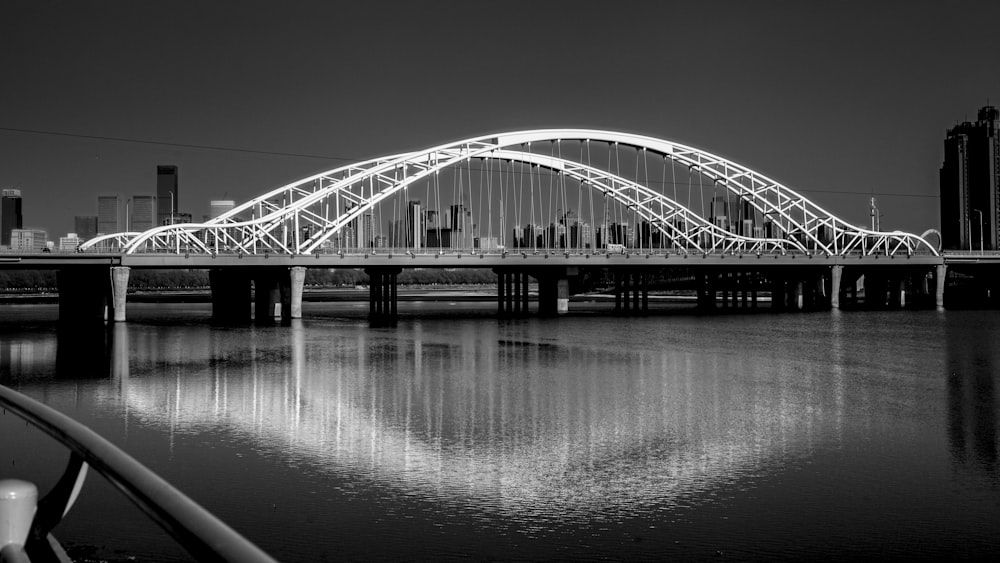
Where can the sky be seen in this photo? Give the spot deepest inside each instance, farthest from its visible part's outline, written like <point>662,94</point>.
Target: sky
<point>840,101</point>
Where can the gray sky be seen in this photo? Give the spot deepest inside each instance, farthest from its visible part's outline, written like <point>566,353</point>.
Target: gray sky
<point>836,100</point>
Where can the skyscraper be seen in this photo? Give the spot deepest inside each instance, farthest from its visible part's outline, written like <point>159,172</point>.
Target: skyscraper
<point>143,213</point>
<point>414,225</point>
<point>10,214</point>
<point>166,194</point>
<point>107,214</point>
<point>970,184</point>
<point>85,226</point>
<point>219,206</point>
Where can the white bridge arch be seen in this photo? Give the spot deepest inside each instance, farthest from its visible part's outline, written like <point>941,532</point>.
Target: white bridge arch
<point>306,216</point>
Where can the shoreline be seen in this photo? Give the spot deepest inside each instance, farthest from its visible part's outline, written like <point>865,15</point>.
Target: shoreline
<point>324,295</point>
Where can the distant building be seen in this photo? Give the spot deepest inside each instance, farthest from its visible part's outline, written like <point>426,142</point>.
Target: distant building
<point>107,214</point>
<point>166,195</point>
<point>10,214</point>
<point>70,242</point>
<point>28,240</point>
<point>180,218</point>
<point>219,206</point>
<point>143,213</point>
<point>970,184</point>
<point>85,226</point>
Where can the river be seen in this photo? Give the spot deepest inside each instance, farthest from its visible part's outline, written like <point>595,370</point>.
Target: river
<point>455,435</point>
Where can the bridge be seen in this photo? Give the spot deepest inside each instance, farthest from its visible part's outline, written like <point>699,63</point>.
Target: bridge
<point>540,204</point>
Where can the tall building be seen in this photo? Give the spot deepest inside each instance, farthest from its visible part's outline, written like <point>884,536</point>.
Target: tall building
<point>143,213</point>
<point>415,228</point>
<point>366,234</point>
<point>219,206</point>
<point>107,214</point>
<point>166,194</point>
<point>970,184</point>
<point>10,214</point>
<point>85,226</point>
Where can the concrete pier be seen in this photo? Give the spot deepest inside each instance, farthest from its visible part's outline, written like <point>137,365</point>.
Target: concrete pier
<point>119,288</point>
<point>230,294</point>
<point>84,295</point>
<point>382,296</point>
<point>297,281</point>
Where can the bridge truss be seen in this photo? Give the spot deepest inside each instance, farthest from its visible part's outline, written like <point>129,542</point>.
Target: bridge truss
<point>566,189</point>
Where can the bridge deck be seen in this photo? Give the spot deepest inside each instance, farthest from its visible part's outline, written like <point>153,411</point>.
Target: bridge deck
<point>490,260</point>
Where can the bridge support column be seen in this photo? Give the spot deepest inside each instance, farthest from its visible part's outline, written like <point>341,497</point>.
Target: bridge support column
<point>798,301</point>
<point>636,288</point>
<point>940,275</point>
<point>230,295</point>
<point>645,293</point>
<point>836,273</point>
<point>512,292</point>
<point>778,296</point>
<point>297,280</point>
<point>84,294</point>
<point>618,291</point>
<point>553,290</point>
<point>501,285</point>
<point>119,287</point>
<point>517,293</point>
<point>272,295</point>
<point>382,296</point>
<point>626,293</point>
<point>524,292</point>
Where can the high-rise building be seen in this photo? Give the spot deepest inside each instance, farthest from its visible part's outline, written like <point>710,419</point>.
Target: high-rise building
<point>970,184</point>
<point>143,213</point>
<point>415,228</point>
<point>219,206</point>
<point>107,214</point>
<point>166,194</point>
<point>28,240</point>
<point>10,214</point>
<point>366,236</point>
<point>85,226</point>
<point>69,242</point>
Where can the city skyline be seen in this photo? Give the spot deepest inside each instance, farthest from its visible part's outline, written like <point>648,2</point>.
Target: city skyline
<point>838,107</point>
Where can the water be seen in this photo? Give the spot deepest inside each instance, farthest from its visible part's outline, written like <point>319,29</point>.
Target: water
<point>454,435</point>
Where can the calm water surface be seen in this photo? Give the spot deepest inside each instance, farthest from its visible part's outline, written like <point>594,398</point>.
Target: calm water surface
<point>456,435</point>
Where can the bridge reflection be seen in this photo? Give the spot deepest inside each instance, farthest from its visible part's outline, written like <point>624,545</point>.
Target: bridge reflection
<point>972,404</point>
<point>497,413</point>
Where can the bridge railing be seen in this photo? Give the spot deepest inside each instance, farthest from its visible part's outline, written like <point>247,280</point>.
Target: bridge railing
<point>199,532</point>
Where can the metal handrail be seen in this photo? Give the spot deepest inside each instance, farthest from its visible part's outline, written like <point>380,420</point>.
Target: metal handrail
<point>200,533</point>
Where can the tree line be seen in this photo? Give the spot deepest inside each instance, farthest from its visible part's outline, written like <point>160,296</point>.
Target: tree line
<point>590,279</point>
<point>15,280</point>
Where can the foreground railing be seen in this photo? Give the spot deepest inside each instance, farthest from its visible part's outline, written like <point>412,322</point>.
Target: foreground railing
<point>25,528</point>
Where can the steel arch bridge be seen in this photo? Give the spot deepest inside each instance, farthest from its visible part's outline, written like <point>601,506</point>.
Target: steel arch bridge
<point>520,195</point>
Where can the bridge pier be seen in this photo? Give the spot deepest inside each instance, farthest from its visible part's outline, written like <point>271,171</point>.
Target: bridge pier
<point>553,290</point>
<point>512,292</point>
<point>940,275</point>
<point>272,295</point>
<point>382,296</point>
<point>297,280</point>
<point>84,295</point>
<point>119,288</point>
<point>836,274</point>
<point>230,289</point>
<point>631,292</point>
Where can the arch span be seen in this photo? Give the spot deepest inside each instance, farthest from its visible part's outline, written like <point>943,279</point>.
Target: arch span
<point>342,209</point>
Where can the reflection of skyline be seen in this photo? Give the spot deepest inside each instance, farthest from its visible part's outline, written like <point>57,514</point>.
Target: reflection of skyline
<point>972,421</point>
<point>490,412</point>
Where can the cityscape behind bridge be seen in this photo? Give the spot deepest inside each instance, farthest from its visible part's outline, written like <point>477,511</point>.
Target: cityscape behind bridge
<point>540,205</point>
